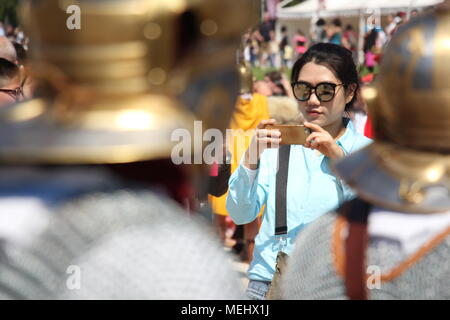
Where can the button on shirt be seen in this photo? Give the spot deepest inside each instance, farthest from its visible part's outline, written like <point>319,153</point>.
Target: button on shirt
<point>311,192</point>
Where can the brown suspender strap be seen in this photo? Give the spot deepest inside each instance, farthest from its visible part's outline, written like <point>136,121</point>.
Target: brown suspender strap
<point>356,213</point>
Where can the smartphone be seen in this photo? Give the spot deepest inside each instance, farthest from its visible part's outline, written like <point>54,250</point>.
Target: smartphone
<point>291,134</point>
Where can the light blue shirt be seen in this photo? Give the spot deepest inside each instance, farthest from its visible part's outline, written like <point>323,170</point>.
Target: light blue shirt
<point>311,192</point>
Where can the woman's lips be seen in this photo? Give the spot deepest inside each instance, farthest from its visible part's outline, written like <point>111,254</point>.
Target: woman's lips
<point>314,113</point>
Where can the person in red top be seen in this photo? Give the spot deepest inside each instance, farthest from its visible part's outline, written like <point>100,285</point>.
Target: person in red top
<point>368,131</point>
<point>300,43</point>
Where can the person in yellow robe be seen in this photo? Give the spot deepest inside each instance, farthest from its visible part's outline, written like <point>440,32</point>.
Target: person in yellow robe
<point>250,110</point>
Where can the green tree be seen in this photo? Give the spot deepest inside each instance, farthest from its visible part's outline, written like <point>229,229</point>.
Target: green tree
<point>8,11</point>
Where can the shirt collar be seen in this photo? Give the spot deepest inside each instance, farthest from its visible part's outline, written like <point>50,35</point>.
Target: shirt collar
<point>347,140</point>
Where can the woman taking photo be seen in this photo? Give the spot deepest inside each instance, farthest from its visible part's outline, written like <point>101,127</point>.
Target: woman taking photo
<point>325,83</point>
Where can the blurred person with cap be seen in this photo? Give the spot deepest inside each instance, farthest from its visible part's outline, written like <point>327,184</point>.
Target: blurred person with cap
<point>392,241</point>
<point>91,203</point>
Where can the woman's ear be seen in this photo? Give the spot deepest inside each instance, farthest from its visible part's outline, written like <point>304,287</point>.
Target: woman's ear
<point>350,92</point>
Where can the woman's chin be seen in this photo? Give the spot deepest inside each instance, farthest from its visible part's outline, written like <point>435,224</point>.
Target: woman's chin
<point>319,122</point>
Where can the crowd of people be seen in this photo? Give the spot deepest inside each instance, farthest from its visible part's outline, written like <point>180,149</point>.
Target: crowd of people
<point>267,50</point>
<point>14,34</point>
<point>88,181</point>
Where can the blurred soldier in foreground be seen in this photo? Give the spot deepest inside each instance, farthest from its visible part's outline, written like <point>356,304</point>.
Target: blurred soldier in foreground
<point>393,242</point>
<point>90,201</point>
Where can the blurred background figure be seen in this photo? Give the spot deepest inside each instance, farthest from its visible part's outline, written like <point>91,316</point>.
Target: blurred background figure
<point>285,49</point>
<point>393,22</point>
<point>250,47</point>
<point>263,35</point>
<point>358,113</point>
<point>334,32</point>
<point>278,83</point>
<point>88,180</point>
<point>7,50</point>
<point>390,26</point>
<point>300,44</point>
<point>262,87</point>
<point>414,13</point>
<point>10,32</point>
<point>274,50</point>
<point>10,86</point>
<point>320,32</point>
<point>350,40</point>
<point>254,48</point>
<point>21,54</point>
<point>393,241</point>
<point>373,48</point>
<point>26,80</point>
<point>19,35</point>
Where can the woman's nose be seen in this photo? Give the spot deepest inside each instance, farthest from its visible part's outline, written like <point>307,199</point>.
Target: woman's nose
<point>313,100</point>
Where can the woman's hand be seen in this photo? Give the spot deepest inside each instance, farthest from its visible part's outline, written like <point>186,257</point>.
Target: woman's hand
<point>322,141</point>
<point>262,139</point>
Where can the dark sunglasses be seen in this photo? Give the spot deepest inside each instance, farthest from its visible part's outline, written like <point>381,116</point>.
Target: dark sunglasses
<point>325,91</point>
<point>16,93</point>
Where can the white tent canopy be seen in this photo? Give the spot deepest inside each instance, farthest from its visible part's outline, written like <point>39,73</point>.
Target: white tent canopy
<point>334,8</point>
<point>355,12</point>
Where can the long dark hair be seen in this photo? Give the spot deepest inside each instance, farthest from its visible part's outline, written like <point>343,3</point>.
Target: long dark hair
<point>370,40</point>
<point>335,57</point>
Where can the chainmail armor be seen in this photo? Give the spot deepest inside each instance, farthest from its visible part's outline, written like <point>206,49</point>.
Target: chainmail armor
<point>311,273</point>
<point>128,245</point>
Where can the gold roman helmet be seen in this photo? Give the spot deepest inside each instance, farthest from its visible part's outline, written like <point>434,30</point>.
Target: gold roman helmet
<point>118,77</point>
<point>209,84</point>
<point>246,77</point>
<point>407,168</point>
<point>244,69</point>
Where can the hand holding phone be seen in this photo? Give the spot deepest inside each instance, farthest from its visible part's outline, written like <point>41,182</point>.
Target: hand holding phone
<point>291,134</point>
<point>262,139</point>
